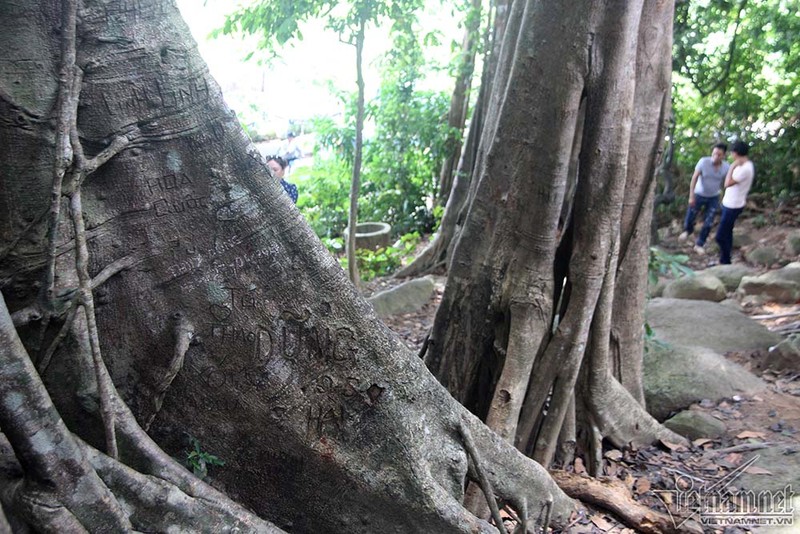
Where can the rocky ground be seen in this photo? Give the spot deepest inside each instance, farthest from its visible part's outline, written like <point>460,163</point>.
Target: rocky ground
<point>753,441</point>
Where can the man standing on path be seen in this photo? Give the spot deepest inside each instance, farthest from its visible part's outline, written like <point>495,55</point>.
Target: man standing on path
<point>704,194</point>
<point>737,185</point>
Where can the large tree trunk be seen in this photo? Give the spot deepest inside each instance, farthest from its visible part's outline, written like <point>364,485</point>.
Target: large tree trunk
<point>498,342</point>
<point>152,264</point>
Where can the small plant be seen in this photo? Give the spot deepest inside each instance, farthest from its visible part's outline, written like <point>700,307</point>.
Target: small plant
<point>661,263</point>
<point>650,340</point>
<point>198,460</point>
<point>385,260</point>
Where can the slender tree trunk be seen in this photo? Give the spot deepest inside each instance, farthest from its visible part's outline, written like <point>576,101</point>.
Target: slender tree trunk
<point>355,184</point>
<point>494,343</point>
<point>219,315</point>
<point>459,102</point>
<point>438,253</point>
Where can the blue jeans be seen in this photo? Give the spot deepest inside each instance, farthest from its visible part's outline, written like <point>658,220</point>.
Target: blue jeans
<point>709,206</point>
<point>725,233</point>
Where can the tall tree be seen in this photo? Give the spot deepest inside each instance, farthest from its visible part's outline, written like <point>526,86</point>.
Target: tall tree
<point>541,321</point>
<point>278,21</point>
<point>159,279</point>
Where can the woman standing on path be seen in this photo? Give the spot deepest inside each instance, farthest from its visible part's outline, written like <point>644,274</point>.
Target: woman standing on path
<point>737,185</point>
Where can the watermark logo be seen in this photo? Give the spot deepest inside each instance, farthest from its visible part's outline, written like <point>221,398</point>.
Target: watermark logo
<point>721,504</point>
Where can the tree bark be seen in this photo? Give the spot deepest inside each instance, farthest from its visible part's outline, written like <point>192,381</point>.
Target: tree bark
<point>459,102</point>
<point>495,341</point>
<point>439,252</point>
<point>325,421</point>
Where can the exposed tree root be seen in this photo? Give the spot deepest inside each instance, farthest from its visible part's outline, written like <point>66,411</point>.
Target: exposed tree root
<point>613,495</point>
<point>156,505</point>
<point>483,479</point>
<point>46,450</point>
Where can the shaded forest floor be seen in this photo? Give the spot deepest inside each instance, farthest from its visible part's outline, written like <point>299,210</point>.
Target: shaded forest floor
<point>655,475</point>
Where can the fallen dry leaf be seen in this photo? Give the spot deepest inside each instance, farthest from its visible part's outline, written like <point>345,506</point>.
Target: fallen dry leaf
<point>672,446</point>
<point>642,485</point>
<point>755,470</point>
<point>700,442</point>
<point>665,496</point>
<point>614,455</point>
<point>601,523</point>
<point>750,434</point>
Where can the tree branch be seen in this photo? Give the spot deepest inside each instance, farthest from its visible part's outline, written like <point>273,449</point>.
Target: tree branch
<point>104,386</point>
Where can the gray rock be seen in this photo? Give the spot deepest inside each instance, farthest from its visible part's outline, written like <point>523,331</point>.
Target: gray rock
<point>706,324</point>
<point>785,356</point>
<point>675,377</point>
<point>793,242</point>
<point>657,289</point>
<point>732,304</point>
<point>406,298</point>
<point>764,256</point>
<point>698,287</point>
<point>694,424</point>
<point>782,285</point>
<point>730,275</point>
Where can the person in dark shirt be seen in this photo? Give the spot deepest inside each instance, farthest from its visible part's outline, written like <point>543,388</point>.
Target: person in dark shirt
<point>278,166</point>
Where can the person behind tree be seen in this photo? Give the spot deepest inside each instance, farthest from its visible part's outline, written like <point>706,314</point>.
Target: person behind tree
<point>291,150</point>
<point>737,184</point>
<point>704,194</point>
<point>278,166</point>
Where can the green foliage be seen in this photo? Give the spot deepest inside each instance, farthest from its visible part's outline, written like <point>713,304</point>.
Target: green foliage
<point>381,262</point>
<point>736,66</point>
<point>198,460</point>
<point>650,341</point>
<point>324,196</point>
<point>661,263</point>
<point>401,161</point>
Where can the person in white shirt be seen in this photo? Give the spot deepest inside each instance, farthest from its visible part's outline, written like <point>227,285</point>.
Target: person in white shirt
<point>737,185</point>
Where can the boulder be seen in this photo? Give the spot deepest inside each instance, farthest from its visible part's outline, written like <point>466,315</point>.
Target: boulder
<point>730,275</point>
<point>405,298</point>
<point>763,256</point>
<point>793,242</point>
<point>785,356</point>
<point>698,287</point>
<point>732,304</point>
<point>694,424</point>
<point>657,289</point>
<point>706,324</point>
<point>782,285</point>
<point>675,377</point>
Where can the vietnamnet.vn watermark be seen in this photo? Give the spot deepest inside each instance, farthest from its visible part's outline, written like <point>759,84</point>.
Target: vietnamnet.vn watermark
<point>721,504</point>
